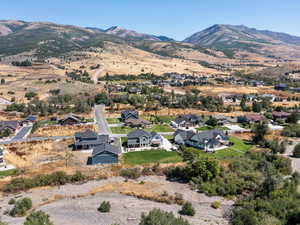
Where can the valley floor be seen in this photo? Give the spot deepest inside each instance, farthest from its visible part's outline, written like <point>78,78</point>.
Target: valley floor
<point>77,204</point>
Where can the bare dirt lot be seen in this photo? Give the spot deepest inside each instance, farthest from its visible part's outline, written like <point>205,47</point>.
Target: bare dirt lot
<point>77,204</point>
<point>62,130</point>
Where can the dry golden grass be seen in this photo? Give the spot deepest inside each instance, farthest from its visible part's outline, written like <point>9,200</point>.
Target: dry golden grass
<point>62,130</point>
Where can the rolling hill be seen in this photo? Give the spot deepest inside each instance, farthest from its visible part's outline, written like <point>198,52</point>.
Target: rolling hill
<point>242,38</point>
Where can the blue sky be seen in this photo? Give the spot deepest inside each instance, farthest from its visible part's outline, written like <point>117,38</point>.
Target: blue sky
<point>174,18</point>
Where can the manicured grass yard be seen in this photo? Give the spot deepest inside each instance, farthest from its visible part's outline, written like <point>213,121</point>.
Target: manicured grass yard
<point>160,128</point>
<point>113,120</point>
<point>157,128</point>
<point>211,128</point>
<point>151,156</point>
<point>121,130</point>
<point>239,147</point>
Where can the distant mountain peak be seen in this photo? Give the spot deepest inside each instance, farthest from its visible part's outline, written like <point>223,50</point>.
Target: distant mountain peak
<point>134,35</point>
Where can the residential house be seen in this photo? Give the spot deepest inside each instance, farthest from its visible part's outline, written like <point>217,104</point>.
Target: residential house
<point>10,126</point>
<point>139,138</point>
<point>156,139</point>
<point>281,87</point>
<point>254,118</point>
<point>104,154</point>
<point>138,123</point>
<point>129,114</point>
<point>70,119</point>
<point>280,115</point>
<point>225,120</point>
<point>1,156</point>
<point>210,140</point>
<point>89,139</point>
<point>188,120</point>
<point>181,136</point>
<point>134,90</point>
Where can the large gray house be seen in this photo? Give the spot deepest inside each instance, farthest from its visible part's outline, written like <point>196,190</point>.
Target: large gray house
<point>89,139</point>
<point>210,140</point>
<point>138,138</point>
<point>129,114</point>
<point>104,154</point>
<point>188,120</point>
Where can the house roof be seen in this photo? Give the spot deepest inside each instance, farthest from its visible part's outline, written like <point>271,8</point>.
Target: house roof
<point>187,118</point>
<point>88,134</point>
<point>254,117</point>
<point>208,135</point>
<point>9,124</point>
<point>185,135</point>
<point>70,116</point>
<point>105,147</point>
<point>125,113</point>
<point>138,133</point>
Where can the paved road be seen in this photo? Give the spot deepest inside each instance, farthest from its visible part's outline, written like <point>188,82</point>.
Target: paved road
<point>101,120</point>
<point>36,139</point>
<point>23,133</point>
<point>289,153</point>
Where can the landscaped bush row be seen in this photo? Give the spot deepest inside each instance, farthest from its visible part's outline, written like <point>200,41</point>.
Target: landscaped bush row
<point>56,178</point>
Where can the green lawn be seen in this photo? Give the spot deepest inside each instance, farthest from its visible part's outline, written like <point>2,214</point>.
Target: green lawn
<point>12,172</point>
<point>157,128</point>
<point>151,156</point>
<point>239,147</point>
<point>211,128</point>
<point>113,120</point>
<point>160,128</point>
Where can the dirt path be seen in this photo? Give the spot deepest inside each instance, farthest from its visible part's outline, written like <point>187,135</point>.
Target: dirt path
<point>289,154</point>
<point>96,74</point>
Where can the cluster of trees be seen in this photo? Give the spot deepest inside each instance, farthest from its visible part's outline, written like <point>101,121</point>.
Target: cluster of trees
<point>122,77</point>
<point>60,104</point>
<point>154,98</point>
<point>22,63</point>
<point>21,207</point>
<point>56,178</point>
<point>80,75</point>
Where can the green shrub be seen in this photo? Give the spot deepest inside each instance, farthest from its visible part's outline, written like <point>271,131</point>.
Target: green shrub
<point>21,207</point>
<point>11,201</point>
<point>160,217</point>
<point>38,218</point>
<point>104,207</point>
<point>296,152</point>
<point>56,178</point>
<point>216,204</point>
<point>131,173</point>
<point>187,209</point>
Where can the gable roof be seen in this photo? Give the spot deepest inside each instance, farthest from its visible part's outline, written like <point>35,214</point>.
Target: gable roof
<point>187,118</point>
<point>105,147</point>
<point>9,124</point>
<point>185,135</point>
<point>138,133</point>
<point>88,134</point>
<point>208,135</point>
<point>71,116</point>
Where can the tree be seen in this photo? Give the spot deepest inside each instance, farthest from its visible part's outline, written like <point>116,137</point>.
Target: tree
<point>187,209</point>
<point>296,152</point>
<point>256,107</point>
<point>2,81</point>
<point>212,121</point>
<point>21,207</point>
<point>260,131</point>
<point>104,207</point>
<point>38,218</point>
<point>293,118</point>
<point>160,217</point>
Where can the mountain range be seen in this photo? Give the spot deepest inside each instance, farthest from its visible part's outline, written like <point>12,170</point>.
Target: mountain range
<point>50,39</point>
